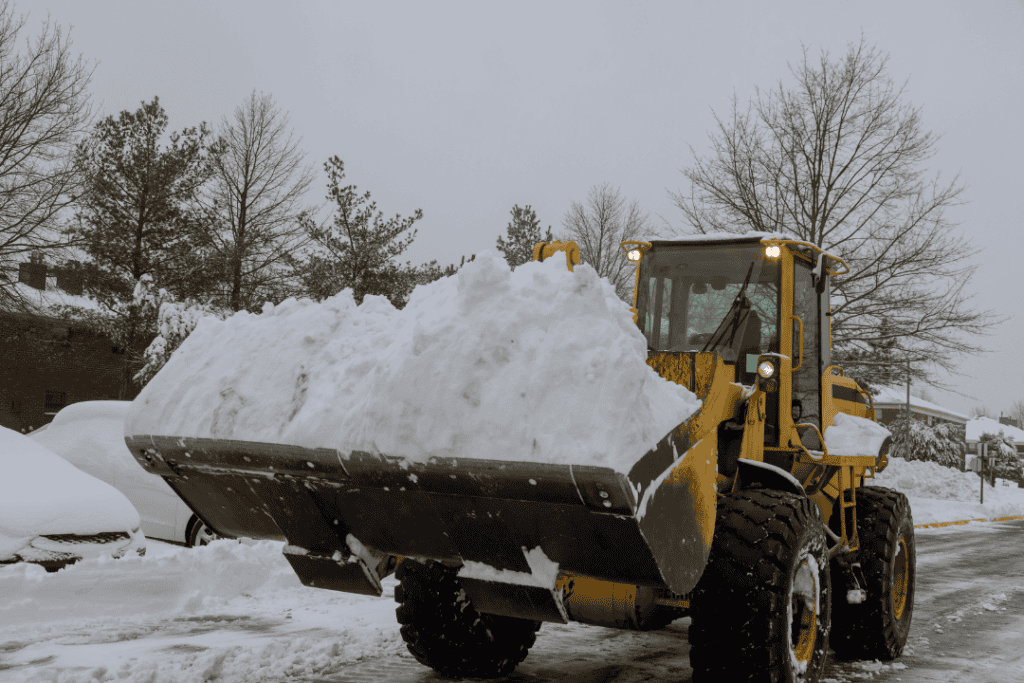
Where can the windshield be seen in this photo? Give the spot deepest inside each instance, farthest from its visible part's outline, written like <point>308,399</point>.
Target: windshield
<point>710,298</point>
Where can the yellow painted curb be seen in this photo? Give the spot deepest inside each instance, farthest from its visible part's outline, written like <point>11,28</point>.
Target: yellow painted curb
<point>967,521</point>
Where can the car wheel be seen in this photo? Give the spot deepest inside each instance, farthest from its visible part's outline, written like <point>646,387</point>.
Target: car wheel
<point>200,534</point>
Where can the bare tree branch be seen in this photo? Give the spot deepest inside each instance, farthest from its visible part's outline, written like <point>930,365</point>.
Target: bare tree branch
<point>838,159</point>
<point>44,109</point>
<point>599,225</point>
<point>253,203</point>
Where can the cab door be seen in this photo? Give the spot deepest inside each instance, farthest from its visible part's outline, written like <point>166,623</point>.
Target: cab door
<point>807,361</point>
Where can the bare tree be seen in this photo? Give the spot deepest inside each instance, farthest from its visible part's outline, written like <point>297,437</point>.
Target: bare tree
<point>43,109</point>
<point>254,201</point>
<point>836,159</point>
<point>980,411</point>
<point>1017,412</point>
<point>598,225</point>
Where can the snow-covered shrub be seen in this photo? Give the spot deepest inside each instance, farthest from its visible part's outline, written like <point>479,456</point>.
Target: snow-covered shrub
<point>941,444</point>
<point>1007,463</point>
<point>175,321</point>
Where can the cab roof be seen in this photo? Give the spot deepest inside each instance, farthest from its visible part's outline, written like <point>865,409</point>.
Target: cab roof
<point>801,246</point>
<point>752,236</point>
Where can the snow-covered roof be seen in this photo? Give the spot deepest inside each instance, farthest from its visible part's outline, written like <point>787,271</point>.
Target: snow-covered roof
<point>890,396</point>
<point>722,237</point>
<point>982,425</point>
<point>46,302</point>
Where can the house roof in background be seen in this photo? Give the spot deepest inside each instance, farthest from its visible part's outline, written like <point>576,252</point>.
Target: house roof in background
<point>980,425</point>
<point>891,397</point>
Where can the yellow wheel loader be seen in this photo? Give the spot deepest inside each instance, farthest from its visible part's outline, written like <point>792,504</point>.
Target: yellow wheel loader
<point>740,518</point>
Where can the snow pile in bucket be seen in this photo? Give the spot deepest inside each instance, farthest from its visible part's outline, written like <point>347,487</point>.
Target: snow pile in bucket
<point>539,365</point>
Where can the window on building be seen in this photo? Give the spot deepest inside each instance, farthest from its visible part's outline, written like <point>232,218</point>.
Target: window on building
<point>55,400</point>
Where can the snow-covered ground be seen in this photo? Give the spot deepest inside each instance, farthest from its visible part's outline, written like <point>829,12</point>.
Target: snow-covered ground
<point>235,612</point>
<point>939,494</point>
<point>174,615</point>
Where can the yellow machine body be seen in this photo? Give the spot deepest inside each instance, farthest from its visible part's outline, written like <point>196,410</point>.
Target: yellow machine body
<point>731,424</point>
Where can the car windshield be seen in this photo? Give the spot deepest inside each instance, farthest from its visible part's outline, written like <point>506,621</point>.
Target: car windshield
<point>721,298</point>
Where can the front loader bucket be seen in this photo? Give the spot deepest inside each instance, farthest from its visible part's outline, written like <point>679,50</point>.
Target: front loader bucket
<point>347,515</point>
<point>587,519</point>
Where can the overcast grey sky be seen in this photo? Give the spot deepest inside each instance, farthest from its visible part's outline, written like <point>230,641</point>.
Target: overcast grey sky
<point>464,109</point>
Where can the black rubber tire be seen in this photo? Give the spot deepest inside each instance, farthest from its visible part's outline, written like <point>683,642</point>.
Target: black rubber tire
<point>443,631</point>
<point>875,628</point>
<point>659,618</point>
<point>199,534</point>
<point>742,610</point>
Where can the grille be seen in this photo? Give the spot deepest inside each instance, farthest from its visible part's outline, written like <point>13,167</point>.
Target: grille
<point>105,537</point>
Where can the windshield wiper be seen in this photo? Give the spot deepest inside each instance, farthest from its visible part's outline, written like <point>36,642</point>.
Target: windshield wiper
<point>735,316</point>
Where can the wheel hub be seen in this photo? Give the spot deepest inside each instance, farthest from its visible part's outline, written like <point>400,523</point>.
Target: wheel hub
<point>900,578</point>
<point>804,610</point>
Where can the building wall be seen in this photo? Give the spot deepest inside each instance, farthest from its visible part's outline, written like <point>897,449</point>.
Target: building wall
<point>46,364</point>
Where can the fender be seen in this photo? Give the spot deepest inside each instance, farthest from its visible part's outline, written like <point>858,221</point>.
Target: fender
<point>752,473</point>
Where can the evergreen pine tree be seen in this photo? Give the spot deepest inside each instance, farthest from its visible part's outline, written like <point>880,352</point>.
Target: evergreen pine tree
<point>358,250</point>
<point>136,217</point>
<point>523,234</point>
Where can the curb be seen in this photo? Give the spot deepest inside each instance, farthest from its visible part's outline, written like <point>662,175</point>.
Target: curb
<point>966,521</point>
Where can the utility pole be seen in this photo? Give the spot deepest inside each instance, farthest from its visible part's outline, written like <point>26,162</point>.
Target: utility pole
<point>984,457</point>
<point>908,393</point>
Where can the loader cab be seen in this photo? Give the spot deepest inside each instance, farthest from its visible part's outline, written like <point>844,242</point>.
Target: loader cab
<point>739,299</point>
<point>720,298</point>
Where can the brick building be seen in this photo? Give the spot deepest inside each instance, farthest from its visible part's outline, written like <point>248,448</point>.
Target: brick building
<point>47,362</point>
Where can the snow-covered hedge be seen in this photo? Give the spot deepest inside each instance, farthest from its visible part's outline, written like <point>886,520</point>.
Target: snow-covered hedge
<point>1007,464</point>
<point>940,444</point>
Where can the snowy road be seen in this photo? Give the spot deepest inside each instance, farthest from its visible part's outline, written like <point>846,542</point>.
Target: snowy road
<point>969,612</point>
<point>233,613</point>
<point>968,627</point>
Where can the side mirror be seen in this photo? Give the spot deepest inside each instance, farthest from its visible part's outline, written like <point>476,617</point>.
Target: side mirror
<point>797,409</point>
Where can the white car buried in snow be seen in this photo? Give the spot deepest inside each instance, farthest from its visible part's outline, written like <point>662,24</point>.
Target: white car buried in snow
<point>53,514</point>
<point>90,436</point>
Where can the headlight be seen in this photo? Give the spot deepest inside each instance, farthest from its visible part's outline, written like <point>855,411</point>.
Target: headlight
<point>765,369</point>
<point>772,251</point>
<point>634,255</point>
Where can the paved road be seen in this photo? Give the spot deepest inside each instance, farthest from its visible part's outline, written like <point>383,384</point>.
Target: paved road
<point>968,627</point>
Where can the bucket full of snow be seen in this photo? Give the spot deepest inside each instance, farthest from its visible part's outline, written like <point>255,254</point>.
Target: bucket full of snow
<point>496,414</point>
